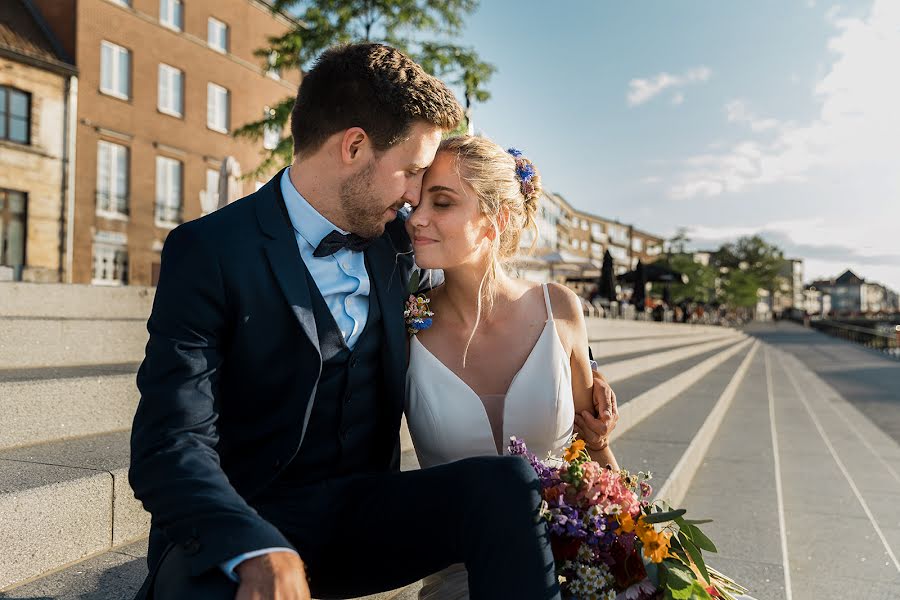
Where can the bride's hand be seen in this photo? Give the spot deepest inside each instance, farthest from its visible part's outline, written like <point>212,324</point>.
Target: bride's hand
<point>596,428</point>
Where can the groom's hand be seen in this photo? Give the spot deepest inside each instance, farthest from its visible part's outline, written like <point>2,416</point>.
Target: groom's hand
<point>273,576</point>
<point>596,428</point>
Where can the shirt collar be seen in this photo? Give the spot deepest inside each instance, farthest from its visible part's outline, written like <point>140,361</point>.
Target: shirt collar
<point>306,220</point>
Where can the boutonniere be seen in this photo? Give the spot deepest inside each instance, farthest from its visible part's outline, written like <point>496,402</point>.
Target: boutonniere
<point>416,314</point>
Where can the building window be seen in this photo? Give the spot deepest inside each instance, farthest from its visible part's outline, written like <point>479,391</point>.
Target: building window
<point>110,259</point>
<point>217,105</point>
<point>123,2</point>
<point>12,231</point>
<point>168,192</point>
<point>211,194</point>
<point>170,95</point>
<point>217,35</point>
<point>584,245</point>
<point>171,14</point>
<point>637,244</point>
<point>112,180</point>
<point>584,224</point>
<point>15,115</point>
<point>115,70</point>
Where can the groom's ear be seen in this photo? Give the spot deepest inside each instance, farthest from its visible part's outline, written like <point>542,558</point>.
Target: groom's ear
<point>354,145</point>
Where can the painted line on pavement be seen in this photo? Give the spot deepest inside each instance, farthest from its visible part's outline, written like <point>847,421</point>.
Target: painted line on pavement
<point>843,468</point>
<point>779,491</point>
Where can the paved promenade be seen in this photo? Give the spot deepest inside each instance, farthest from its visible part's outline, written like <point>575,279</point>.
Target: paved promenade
<point>786,438</point>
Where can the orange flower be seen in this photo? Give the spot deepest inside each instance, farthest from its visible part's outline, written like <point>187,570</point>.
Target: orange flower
<point>574,450</point>
<point>656,545</point>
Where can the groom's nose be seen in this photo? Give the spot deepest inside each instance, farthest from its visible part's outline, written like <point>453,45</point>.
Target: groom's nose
<point>413,192</point>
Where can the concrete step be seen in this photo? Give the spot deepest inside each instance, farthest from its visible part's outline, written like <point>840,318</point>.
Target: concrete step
<point>45,405</point>
<point>616,350</point>
<point>27,342</point>
<point>64,501</point>
<point>661,386</point>
<point>611,329</point>
<point>616,371</point>
<point>74,301</point>
<point>663,438</point>
<point>118,574</point>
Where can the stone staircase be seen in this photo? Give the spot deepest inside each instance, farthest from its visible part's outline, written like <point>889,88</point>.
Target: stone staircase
<point>694,404</point>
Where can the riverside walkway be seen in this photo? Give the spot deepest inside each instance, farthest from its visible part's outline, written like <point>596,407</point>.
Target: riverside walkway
<point>787,438</point>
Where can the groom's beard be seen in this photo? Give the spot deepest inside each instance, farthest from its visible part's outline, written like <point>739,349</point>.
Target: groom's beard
<point>362,207</point>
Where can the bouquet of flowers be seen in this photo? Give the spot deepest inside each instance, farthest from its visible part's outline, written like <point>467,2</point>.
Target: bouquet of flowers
<point>611,543</point>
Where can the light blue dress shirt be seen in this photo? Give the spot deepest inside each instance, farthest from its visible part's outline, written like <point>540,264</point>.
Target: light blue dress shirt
<point>342,280</point>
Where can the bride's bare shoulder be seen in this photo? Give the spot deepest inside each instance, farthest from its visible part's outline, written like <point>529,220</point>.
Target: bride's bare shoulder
<point>566,304</point>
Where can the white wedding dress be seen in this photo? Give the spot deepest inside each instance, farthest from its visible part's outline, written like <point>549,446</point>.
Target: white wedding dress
<point>448,421</point>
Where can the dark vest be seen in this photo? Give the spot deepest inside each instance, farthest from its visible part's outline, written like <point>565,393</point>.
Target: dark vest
<point>348,430</point>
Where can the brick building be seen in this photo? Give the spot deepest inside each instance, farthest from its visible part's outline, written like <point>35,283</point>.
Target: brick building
<point>162,83</point>
<point>36,94</point>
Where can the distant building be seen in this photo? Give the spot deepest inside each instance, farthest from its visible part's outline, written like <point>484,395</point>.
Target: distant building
<point>851,294</point>
<point>38,86</point>
<point>162,85</point>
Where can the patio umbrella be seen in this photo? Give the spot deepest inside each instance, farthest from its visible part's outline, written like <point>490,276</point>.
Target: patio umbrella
<point>607,284</point>
<point>655,273</point>
<point>640,287</point>
<point>667,296</point>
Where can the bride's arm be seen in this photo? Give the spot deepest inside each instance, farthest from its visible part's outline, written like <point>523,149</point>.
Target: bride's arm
<point>573,335</point>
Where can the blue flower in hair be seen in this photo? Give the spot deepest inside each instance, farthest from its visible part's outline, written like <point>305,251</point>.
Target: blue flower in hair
<point>514,152</point>
<point>524,171</point>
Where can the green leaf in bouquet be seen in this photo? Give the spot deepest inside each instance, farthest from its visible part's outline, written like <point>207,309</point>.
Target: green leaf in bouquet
<point>700,539</point>
<point>695,554</point>
<point>699,521</point>
<point>414,280</point>
<point>698,592</point>
<point>662,517</point>
<point>679,581</point>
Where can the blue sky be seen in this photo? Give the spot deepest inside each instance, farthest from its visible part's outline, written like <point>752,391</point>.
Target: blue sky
<point>779,117</point>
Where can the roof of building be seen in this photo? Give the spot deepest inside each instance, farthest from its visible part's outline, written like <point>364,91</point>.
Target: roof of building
<point>24,35</point>
<point>848,277</point>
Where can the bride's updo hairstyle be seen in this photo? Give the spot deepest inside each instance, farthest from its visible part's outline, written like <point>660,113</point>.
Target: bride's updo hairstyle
<point>508,187</point>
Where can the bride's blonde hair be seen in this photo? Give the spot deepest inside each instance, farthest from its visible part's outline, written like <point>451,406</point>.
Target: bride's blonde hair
<point>506,199</point>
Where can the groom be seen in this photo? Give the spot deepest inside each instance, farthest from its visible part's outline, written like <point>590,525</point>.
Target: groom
<point>266,442</point>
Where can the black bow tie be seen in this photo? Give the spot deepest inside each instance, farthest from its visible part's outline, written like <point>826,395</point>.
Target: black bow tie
<point>336,240</point>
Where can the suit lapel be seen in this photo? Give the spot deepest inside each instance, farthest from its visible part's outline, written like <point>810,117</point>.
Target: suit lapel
<point>388,278</point>
<point>284,257</point>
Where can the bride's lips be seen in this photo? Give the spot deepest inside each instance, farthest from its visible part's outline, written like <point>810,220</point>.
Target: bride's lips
<point>423,241</point>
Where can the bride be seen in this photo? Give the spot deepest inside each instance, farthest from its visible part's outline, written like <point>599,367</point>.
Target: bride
<point>504,356</point>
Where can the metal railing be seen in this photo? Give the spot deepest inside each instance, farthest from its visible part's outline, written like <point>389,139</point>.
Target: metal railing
<point>887,342</point>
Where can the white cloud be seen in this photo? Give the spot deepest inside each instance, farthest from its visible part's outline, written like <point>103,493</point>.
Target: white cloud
<point>738,112</point>
<point>644,90</point>
<point>678,98</point>
<point>856,133</point>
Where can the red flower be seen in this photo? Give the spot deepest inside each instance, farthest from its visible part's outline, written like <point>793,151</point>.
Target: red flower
<point>627,567</point>
<point>712,591</point>
<point>564,548</point>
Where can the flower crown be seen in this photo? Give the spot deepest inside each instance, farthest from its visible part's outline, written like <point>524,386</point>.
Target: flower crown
<point>525,172</point>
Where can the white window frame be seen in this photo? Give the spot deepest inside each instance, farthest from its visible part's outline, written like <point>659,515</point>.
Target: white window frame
<point>114,247</point>
<point>113,67</point>
<point>214,102</point>
<point>219,27</point>
<point>212,188</point>
<point>113,153</point>
<point>168,14</point>
<point>166,100</point>
<point>169,191</point>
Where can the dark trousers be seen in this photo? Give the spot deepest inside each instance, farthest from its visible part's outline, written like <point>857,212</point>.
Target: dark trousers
<point>366,534</point>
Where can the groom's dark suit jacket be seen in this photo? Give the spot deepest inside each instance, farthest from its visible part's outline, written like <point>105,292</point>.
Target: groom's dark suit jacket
<point>231,371</point>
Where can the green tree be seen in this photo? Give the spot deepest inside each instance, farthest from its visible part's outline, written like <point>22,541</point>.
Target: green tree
<point>419,28</point>
<point>701,283</point>
<point>740,289</point>
<point>754,256</point>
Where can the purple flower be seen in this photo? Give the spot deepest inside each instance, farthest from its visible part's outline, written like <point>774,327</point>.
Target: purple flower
<point>514,152</point>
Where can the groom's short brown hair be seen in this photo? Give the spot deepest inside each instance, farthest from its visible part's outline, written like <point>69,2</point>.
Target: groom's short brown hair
<point>372,86</point>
